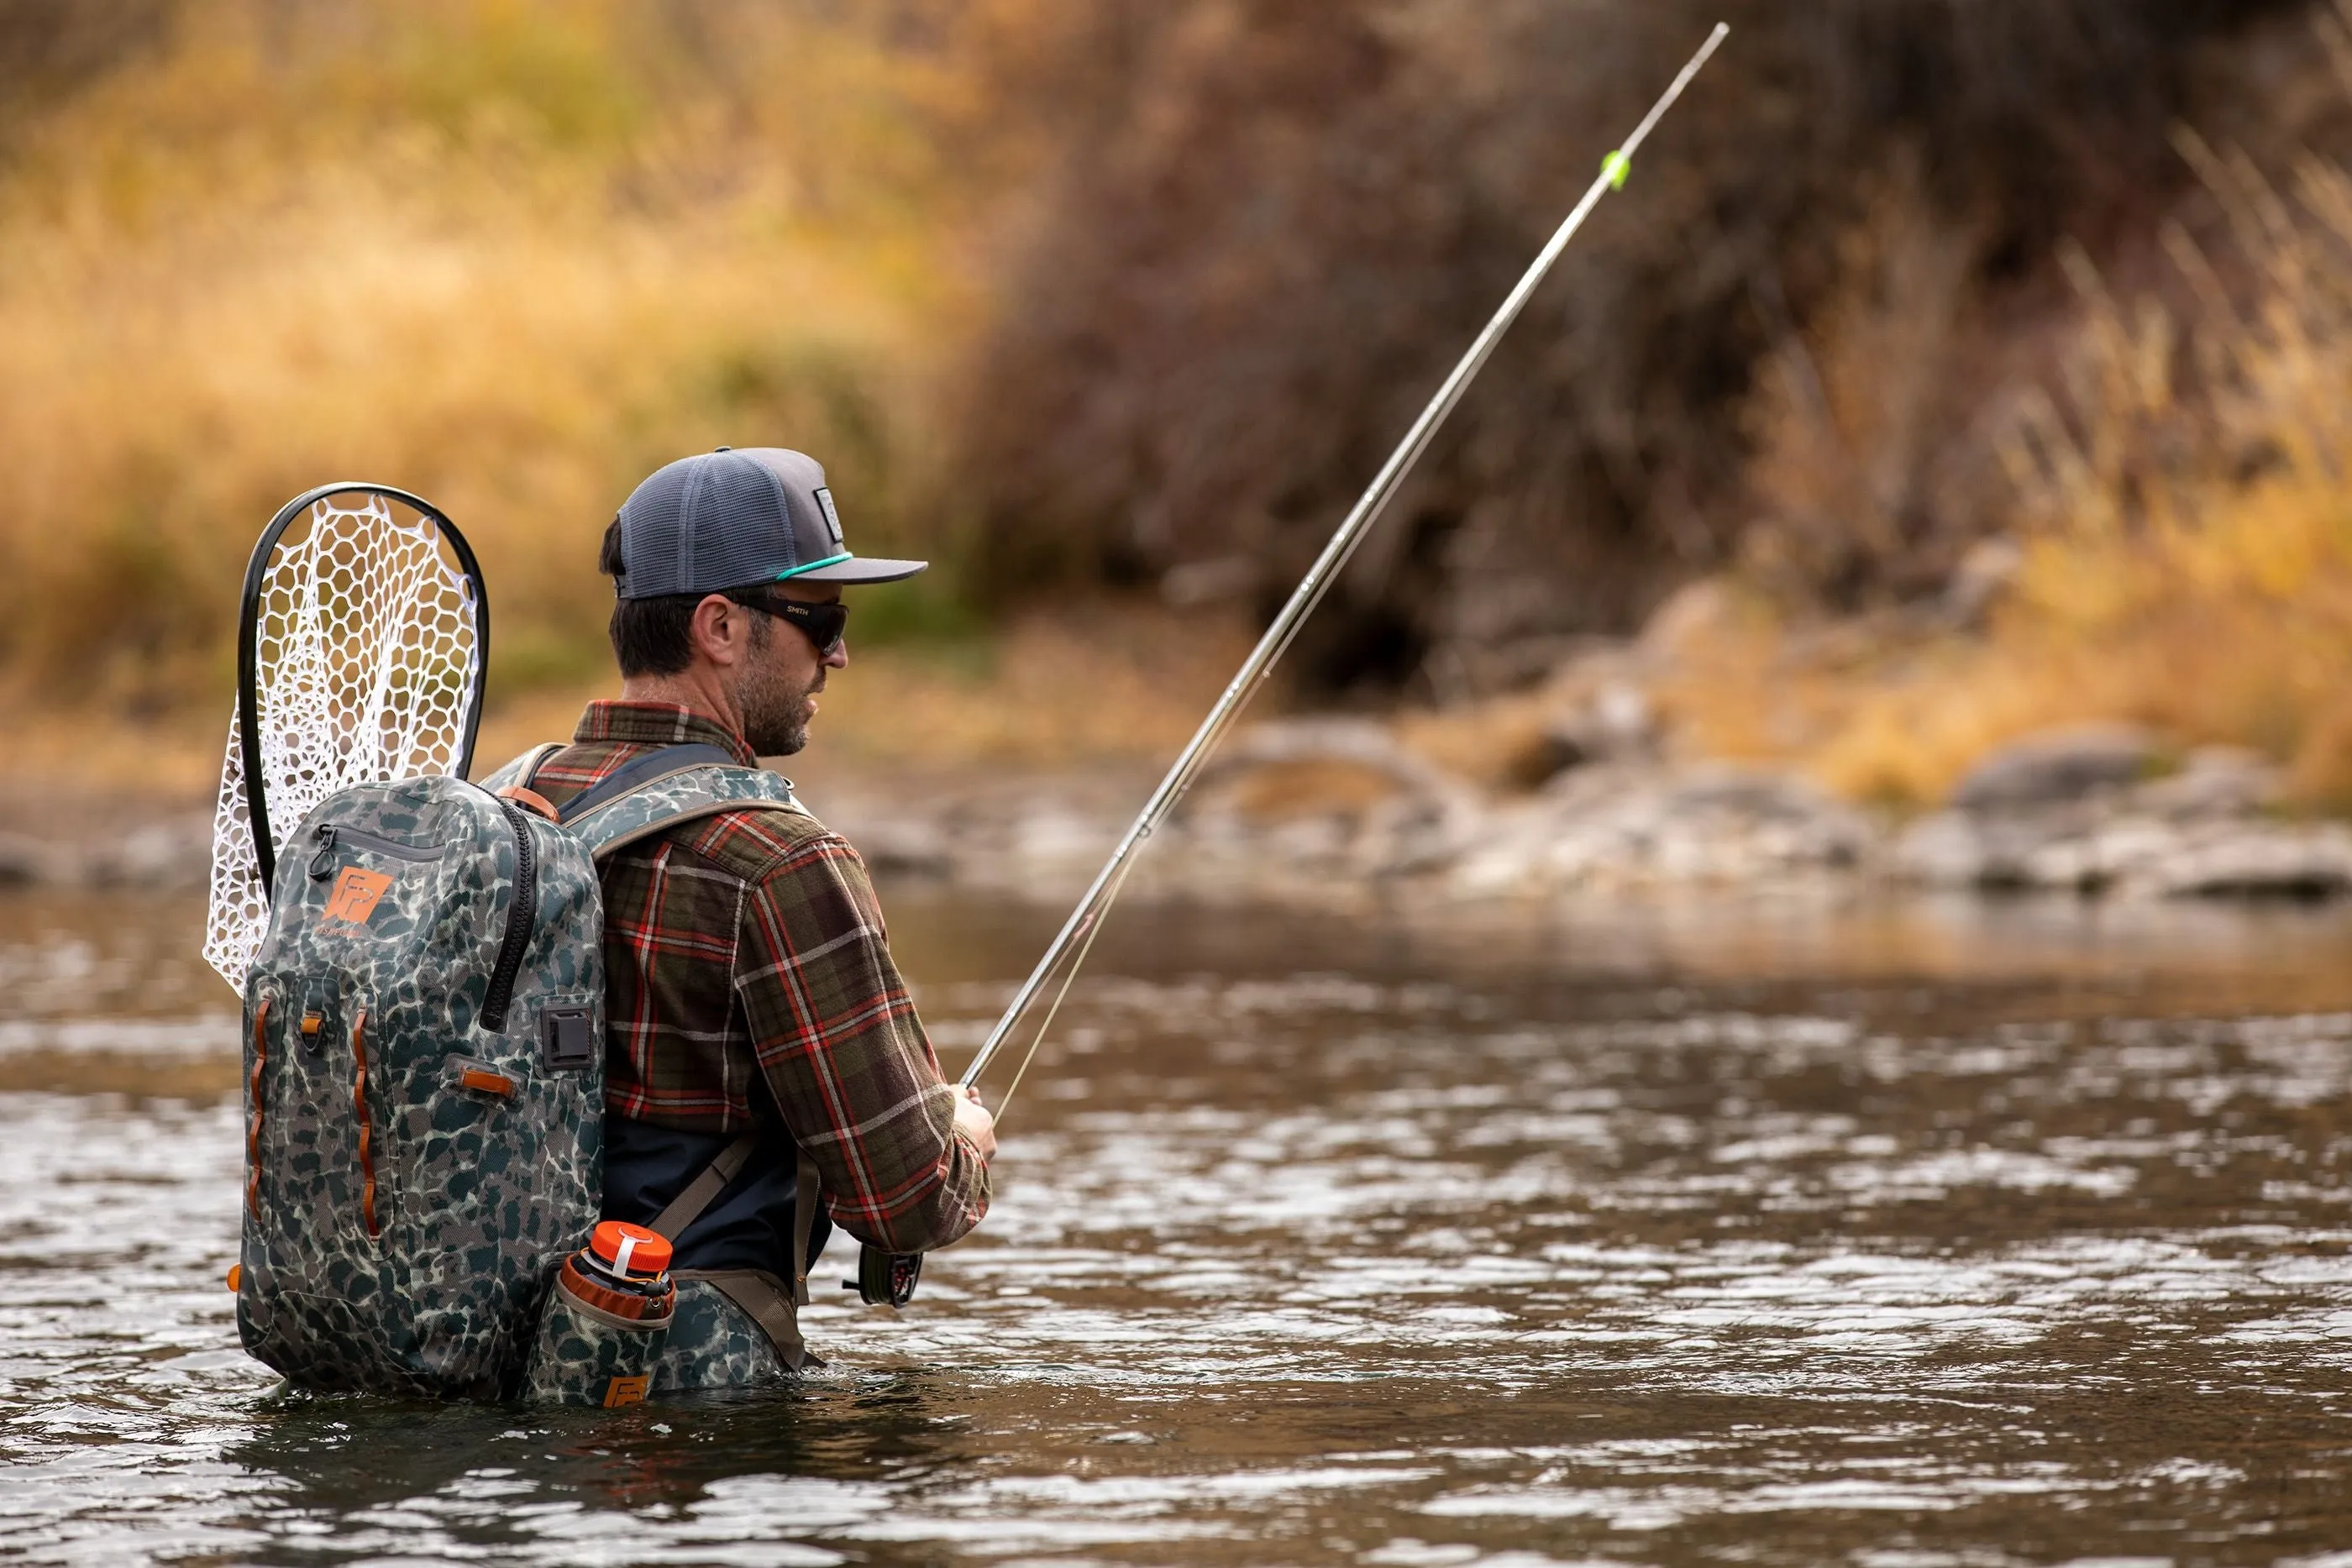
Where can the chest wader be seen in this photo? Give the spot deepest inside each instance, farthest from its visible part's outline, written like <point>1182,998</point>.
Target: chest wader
<point>717,1328</point>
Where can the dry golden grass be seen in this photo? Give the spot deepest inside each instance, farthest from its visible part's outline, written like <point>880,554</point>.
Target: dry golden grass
<point>1103,684</point>
<point>1108,682</point>
<point>511,254</point>
<point>516,253</point>
<point>1493,743</point>
<point>2235,629</point>
<point>1310,787</point>
<point>2230,624</point>
<point>1111,681</point>
<point>2185,514</point>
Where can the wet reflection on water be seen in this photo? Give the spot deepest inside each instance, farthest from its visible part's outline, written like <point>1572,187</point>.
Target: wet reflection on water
<point>1958,1235</point>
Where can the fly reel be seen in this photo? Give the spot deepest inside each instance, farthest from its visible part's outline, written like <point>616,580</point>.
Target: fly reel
<point>886,1278</point>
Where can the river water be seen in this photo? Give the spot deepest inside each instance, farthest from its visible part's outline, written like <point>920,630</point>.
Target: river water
<point>1927,1234</point>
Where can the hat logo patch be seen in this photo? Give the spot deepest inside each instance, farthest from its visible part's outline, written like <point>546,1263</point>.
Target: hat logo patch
<point>831,517</point>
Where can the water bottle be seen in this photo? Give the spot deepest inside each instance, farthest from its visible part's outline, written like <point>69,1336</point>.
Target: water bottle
<point>606,1321</point>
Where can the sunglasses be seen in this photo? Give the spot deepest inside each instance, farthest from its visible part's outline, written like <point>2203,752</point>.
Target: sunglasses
<point>821,623</point>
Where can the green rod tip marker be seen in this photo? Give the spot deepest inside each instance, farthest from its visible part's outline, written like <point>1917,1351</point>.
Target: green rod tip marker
<point>1617,168</point>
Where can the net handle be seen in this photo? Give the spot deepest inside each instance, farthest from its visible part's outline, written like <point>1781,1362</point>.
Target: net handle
<point>248,648</point>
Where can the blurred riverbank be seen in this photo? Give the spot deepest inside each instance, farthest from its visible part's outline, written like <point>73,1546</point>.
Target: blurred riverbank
<point>1964,506</point>
<point>1010,763</point>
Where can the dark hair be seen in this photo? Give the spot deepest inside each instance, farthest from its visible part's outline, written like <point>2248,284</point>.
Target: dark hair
<point>654,636</point>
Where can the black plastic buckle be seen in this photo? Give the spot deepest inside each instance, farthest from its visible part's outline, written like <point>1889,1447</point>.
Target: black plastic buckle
<point>567,1038</point>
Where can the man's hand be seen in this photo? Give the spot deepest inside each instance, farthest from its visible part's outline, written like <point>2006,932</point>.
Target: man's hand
<point>976,1123</point>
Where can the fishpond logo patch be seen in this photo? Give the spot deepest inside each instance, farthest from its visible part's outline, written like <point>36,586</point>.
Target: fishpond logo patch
<point>355,894</point>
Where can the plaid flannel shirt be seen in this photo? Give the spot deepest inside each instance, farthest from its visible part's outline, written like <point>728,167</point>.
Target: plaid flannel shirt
<point>750,945</point>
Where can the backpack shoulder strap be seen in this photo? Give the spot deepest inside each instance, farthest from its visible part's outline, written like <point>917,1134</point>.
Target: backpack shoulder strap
<point>533,760</point>
<point>524,769</point>
<point>654,793</point>
<point>640,773</point>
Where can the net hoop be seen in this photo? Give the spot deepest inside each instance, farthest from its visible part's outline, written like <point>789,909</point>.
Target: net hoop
<point>248,647</point>
<point>371,635</point>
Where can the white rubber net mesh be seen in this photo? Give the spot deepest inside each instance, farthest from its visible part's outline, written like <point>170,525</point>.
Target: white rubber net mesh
<point>367,663</point>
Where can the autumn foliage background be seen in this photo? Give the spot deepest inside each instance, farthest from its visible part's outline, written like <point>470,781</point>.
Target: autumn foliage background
<point>1988,363</point>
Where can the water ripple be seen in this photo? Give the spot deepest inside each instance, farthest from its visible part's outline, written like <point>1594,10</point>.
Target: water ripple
<point>1444,1260</point>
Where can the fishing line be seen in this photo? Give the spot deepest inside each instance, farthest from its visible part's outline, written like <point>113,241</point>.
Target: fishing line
<point>1085,920</point>
<point>1069,974</point>
<point>1069,977</point>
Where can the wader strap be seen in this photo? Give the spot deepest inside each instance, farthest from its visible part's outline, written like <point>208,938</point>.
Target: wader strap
<point>770,1303</point>
<point>767,1302</point>
<point>703,1190</point>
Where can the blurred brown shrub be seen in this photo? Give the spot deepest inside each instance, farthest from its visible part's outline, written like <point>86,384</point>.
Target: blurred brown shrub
<point>49,48</point>
<point>2180,488</point>
<point>1279,222</point>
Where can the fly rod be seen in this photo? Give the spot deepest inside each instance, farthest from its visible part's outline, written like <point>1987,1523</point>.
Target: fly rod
<point>1084,922</point>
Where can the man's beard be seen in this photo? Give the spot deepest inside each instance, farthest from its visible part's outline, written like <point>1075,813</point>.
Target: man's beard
<point>775,722</point>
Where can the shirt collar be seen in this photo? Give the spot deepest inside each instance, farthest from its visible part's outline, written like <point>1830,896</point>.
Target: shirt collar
<point>659,724</point>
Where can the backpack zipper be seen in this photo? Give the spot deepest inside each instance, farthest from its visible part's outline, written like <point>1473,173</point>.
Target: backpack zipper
<point>254,1105</point>
<point>522,915</point>
<point>327,835</point>
<point>359,1110</point>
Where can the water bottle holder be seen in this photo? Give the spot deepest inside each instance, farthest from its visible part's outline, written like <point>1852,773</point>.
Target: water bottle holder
<point>584,1354</point>
<point>629,1306</point>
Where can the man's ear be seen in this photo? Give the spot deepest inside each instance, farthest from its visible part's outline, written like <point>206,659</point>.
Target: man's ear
<point>718,630</point>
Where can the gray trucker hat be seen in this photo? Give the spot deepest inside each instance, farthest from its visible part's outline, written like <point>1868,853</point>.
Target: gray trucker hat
<point>728,519</point>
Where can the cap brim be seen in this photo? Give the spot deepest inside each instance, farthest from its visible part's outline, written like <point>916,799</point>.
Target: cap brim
<point>861,568</point>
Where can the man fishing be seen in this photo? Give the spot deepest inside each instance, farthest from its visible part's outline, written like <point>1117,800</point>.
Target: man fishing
<point>749,985</point>
<point>760,1049</point>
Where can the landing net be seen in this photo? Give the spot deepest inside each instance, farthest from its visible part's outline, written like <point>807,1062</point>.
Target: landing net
<point>367,664</point>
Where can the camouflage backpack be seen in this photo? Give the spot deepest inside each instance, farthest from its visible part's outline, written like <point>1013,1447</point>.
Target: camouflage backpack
<point>423,1068</point>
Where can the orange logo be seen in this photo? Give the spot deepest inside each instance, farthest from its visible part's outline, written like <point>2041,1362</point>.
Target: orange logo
<point>625,1390</point>
<point>355,894</point>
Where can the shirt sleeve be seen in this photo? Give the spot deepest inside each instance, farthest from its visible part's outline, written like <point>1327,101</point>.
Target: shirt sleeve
<point>839,1042</point>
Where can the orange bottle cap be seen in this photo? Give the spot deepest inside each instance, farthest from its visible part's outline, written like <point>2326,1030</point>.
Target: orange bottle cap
<point>629,1250</point>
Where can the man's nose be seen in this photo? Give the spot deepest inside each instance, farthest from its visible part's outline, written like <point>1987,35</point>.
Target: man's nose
<point>837,656</point>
